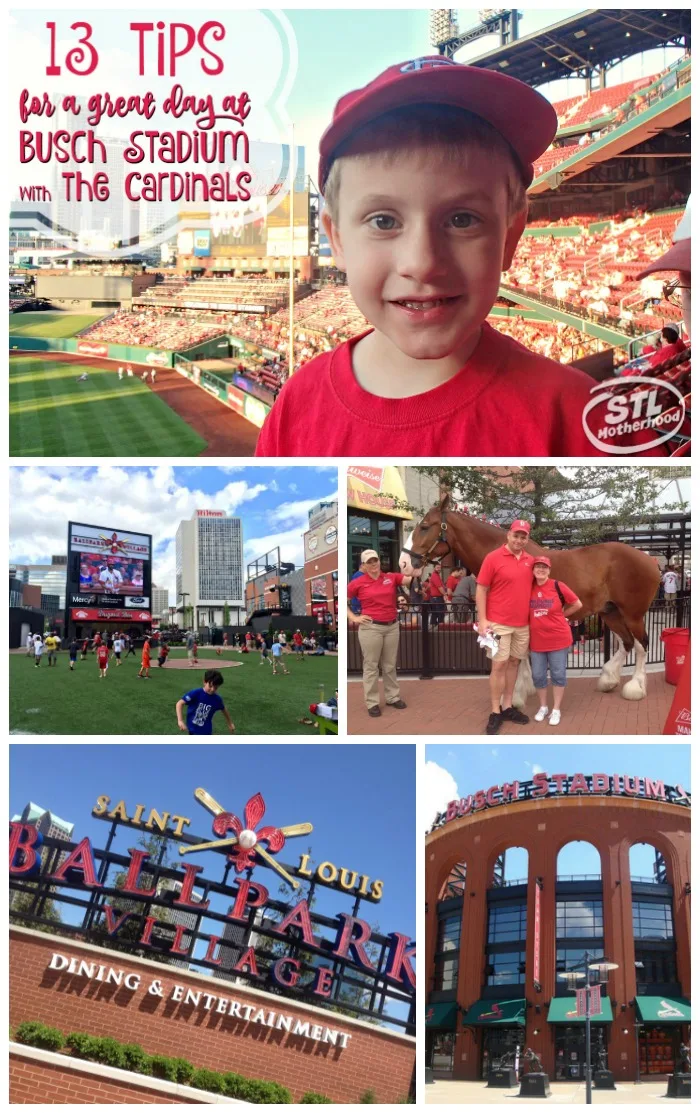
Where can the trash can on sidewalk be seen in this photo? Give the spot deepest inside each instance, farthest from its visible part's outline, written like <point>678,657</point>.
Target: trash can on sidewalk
<point>676,641</point>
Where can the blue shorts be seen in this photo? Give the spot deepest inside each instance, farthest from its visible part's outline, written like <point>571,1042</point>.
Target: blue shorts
<point>555,662</point>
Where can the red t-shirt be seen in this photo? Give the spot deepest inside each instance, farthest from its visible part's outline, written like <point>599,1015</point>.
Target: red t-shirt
<point>436,586</point>
<point>102,656</point>
<point>297,639</point>
<point>667,351</point>
<point>504,396</point>
<point>452,582</point>
<point>377,597</point>
<point>509,582</point>
<point>549,629</point>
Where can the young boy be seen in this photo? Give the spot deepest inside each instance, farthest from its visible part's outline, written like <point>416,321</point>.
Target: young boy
<point>38,650</point>
<point>163,654</point>
<point>277,659</point>
<point>118,646</point>
<point>102,659</point>
<point>145,661</point>
<point>202,704</point>
<point>72,653</point>
<point>84,650</point>
<point>424,173</point>
<point>264,654</point>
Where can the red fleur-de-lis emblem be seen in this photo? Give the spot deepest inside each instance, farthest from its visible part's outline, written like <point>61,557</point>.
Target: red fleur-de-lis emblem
<point>243,854</point>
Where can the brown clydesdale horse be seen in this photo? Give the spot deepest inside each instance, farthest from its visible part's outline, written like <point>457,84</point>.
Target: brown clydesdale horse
<point>612,580</point>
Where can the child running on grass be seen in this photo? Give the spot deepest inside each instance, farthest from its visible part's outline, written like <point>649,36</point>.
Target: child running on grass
<point>73,653</point>
<point>163,654</point>
<point>102,659</point>
<point>145,661</point>
<point>277,659</point>
<point>202,704</point>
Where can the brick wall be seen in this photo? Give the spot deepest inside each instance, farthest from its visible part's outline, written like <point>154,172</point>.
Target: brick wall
<point>374,1058</point>
<point>37,1083</point>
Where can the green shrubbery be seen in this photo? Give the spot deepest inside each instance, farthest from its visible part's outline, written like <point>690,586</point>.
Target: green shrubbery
<point>129,1056</point>
<point>312,1098</point>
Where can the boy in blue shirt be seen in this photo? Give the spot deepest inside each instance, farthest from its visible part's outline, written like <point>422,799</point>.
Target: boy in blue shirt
<point>202,704</point>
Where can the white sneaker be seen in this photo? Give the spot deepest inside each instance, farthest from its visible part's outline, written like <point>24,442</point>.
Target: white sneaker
<point>541,714</point>
<point>555,718</point>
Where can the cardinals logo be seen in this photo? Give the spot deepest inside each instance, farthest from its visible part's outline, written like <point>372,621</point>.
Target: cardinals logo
<point>113,545</point>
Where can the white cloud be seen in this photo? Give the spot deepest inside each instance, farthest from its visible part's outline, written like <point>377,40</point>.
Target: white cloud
<point>534,768</point>
<point>439,788</point>
<point>141,500</point>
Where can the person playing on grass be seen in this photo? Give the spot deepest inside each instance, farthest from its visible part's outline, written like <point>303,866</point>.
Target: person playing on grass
<point>118,646</point>
<point>277,661</point>
<point>163,654</point>
<point>189,642</point>
<point>202,704</point>
<point>84,649</point>
<point>298,643</point>
<point>145,661</point>
<point>282,638</point>
<point>50,643</point>
<point>262,646</point>
<point>38,650</point>
<point>120,372</point>
<point>102,659</point>
<point>72,653</point>
<point>82,378</point>
<point>195,652</point>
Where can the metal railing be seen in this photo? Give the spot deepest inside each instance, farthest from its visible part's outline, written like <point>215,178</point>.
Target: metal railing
<point>438,642</point>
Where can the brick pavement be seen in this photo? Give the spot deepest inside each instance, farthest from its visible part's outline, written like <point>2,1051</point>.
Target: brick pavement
<point>563,1093</point>
<point>462,705</point>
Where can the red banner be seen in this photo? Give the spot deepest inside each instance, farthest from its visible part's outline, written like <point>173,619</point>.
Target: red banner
<point>596,1006</point>
<point>537,933</point>
<point>678,720</point>
<point>236,399</point>
<point>81,614</point>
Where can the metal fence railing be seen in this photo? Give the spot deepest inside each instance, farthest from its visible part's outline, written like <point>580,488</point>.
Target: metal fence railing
<point>433,643</point>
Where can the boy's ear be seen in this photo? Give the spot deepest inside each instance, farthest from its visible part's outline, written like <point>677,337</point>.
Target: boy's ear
<point>513,235</point>
<point>333,234</point>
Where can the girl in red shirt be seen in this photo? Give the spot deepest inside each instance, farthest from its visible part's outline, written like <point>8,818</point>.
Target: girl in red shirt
<point>551,603</point>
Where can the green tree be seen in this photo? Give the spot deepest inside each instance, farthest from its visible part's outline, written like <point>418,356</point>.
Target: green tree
<point>21,905</point>
<point>592,502</point>
<point>227,615</point>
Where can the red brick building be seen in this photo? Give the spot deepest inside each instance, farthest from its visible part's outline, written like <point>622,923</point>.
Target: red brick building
<point>195,1021</point>
<point>496,948</point>
<point>321,564</point>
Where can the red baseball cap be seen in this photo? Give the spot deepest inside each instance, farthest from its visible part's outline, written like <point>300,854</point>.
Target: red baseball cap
<point>519,523</point>
<point>525,119</point>
<point>542,560</point>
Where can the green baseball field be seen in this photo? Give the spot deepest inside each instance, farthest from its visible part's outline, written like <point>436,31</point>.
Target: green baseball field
<point>57,701</point>
<point>52,414</point>
<point>51,324</point>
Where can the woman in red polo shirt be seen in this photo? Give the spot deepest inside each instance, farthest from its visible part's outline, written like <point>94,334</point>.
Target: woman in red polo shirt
<point>551,603</point>
<point>379,628</point>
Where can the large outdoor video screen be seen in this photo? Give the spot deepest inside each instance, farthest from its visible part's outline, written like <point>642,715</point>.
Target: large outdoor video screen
<point>111,575</point>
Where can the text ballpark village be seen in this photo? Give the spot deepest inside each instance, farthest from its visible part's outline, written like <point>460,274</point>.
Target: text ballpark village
<point>199,998</point>
<point>565,784</point>
<point>78,868</point>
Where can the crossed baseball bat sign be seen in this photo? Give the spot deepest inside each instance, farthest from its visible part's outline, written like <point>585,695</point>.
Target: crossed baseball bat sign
<point>215,808</point>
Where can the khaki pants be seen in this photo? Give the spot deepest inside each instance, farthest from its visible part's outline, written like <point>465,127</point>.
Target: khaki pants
<point>379,645</point>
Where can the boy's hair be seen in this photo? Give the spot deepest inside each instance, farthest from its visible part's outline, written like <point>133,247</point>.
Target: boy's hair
<point>670,334</point>
<point>213,676</point>
<point>428,126</point>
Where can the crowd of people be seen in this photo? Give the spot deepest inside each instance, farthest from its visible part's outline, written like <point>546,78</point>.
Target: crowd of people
<point>152,329</point>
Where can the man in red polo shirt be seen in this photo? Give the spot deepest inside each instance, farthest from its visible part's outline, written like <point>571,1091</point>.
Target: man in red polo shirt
<point>378,629</point>
<point>503,588</point>
<point>437,595</point>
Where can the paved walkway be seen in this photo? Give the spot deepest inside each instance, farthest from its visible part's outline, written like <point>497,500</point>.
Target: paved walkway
<point>447,705</point>
<point>563,1093</point>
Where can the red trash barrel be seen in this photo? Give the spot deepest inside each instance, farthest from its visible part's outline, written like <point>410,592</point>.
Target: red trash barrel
<point>676,641</point>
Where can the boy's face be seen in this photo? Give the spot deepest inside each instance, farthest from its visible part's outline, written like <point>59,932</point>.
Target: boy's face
<point>421,229</point>
<point>209,687</point>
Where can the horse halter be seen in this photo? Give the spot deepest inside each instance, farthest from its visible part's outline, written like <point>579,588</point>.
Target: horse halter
<point>425,558</point>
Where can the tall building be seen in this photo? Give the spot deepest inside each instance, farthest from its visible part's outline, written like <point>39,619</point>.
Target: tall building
<point>321,563</point>
<point>159,602</point>
<point>47,824</point>
<point>209,568</point>
<point>51,578</point>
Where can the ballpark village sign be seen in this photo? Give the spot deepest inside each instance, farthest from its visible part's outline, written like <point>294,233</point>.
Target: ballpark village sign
<point>378,967</point>
<point>553,785</point>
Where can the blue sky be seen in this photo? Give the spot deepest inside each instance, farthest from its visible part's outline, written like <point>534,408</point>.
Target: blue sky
<point>358,797</point>
<point>272,501</point>
<point>453,771</point>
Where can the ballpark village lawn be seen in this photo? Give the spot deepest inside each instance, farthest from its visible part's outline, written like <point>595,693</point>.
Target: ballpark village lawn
<point>52,414</point>
<point>51,324</point>
<point>57,701</point>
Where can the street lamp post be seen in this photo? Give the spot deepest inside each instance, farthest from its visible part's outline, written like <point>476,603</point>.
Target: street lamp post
<point>184,595</point>
<point>602,968</point>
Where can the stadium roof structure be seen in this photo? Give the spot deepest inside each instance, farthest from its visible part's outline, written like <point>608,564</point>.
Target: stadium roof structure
<point>596,39</point>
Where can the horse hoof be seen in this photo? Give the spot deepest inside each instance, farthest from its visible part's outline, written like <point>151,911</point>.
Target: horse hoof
<point>607,684</point>
<point>634,690</point>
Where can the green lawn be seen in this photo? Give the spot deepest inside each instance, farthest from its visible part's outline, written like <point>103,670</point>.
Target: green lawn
<point>52,414</point>
<point>56,701</point>
<point>51,324</point>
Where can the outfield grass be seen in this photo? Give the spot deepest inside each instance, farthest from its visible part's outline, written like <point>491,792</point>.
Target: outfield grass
<point>52,414</point>
<point>51,324</point>
<point>55,701</point>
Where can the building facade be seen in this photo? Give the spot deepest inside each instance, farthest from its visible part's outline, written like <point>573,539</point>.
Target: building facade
<point>321,564</point>
<point>209,568</point>
<point>376,515</point>
<point>496,948</point>
<point>51,578</point>
<point>160,603</point>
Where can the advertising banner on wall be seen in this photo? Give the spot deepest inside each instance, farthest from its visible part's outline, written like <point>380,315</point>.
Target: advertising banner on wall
<point>201,242</point>
<point>107,542</point>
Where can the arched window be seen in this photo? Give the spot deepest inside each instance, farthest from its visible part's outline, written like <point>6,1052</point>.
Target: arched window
<point>579,908</point>
<point>510,867</point>
<point>652,921</point>
<point>449,930</point>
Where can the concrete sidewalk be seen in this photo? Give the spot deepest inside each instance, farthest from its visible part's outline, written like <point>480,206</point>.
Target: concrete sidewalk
<point>449,705</point>
<point>563,1093</point>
